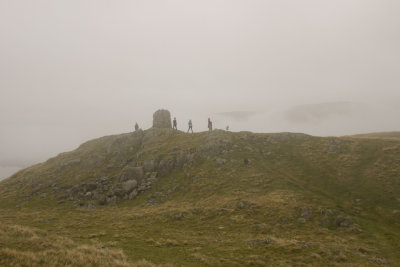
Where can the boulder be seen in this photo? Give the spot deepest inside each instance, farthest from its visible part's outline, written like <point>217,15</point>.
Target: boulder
<point>132,173</point>
<point>162,119</point>
<point>129,185</point>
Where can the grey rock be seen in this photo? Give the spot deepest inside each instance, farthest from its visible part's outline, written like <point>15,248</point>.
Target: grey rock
<point>260,242</point>
<point>132,173</point>
<point>150,165</point>
<point>43,195</point>
<point>327,212</point>
<point>162,119</point>
<point>166,165</point>
<point>381,261</point>
<point>152,180</point>
<point>111,201</point>
<point>240,205</point>
<point>341,221</point>
<point>220,161</point>
<point>133,194</point>
<point>396,212</point>
<point>306,212</point>
<point>89,187</point>
<point>129,185</point>
<point>91,206</point>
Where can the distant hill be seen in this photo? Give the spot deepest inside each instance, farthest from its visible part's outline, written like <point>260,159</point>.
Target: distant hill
<point>215,199</point>
<point>381,135</point>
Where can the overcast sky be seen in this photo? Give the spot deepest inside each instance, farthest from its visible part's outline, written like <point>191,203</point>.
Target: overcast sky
<point>73,70</point>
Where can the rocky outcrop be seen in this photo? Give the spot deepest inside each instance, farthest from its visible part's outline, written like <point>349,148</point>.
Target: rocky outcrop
<point>162,119</point>
<point>131,173</point>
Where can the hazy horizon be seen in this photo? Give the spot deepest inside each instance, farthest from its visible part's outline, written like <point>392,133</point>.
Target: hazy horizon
<point>72,71</point>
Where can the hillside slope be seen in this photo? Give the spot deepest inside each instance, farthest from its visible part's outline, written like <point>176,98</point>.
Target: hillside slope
<point>220,198</point>
<point>381,135</point>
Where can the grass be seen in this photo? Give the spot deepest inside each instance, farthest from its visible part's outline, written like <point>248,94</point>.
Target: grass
<point>215,214</point>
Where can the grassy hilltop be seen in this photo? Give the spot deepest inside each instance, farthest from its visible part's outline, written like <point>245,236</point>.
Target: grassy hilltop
<point>159,197</point>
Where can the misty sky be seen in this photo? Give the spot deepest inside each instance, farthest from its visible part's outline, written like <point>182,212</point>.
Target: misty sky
<point>75,70</point>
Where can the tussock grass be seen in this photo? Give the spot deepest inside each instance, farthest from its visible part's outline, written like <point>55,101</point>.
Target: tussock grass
<point>23,246</point>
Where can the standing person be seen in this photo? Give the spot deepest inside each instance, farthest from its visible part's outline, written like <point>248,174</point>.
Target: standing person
<point>209,125</point>
<point>175,124</point>
<point>190,126</point>
<point>136,127</point>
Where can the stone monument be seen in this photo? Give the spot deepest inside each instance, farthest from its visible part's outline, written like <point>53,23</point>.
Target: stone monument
<point>162,119</point>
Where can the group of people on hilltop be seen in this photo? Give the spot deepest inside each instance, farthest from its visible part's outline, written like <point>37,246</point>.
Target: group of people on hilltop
<point>175,125</point>
<point>190,124</point>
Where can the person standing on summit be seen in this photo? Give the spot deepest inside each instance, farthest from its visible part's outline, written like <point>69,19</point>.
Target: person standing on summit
<point>190,126</point>
<point>209,125</point>
<point>175,124</point>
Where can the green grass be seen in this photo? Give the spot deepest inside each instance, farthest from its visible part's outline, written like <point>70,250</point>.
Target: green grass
<point>213,212</point>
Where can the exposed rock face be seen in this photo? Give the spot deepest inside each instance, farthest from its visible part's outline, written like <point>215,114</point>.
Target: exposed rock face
<point>132,173</point>
<point>162,119</point>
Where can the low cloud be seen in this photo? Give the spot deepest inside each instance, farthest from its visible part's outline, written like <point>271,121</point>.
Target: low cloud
<point>321,112</point>
<point>237,115</point>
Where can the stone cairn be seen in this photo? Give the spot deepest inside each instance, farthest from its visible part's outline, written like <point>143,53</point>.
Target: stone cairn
<point>162,119</point>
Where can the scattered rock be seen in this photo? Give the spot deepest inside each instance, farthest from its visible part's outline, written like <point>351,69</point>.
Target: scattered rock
<point>260,242</point>
<point>150,165</point>
<point>396,212</point>
<point>133,194</point>
<point>132,173</point>
<point>306,212</point>
<point>381,261</point>
<point>240,205</point>
<point>129,185</point>
<point>327,212</point>
<point>220,161</point>
<point>111,201</point>
<point>91,206</point>
<point>341,221</point>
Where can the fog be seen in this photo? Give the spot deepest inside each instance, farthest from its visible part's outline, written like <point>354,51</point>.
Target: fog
<point>75,70</point>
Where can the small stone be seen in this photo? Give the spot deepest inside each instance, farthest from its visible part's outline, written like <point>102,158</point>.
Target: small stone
<point>306,213</point>
<point>341,221</point>
<point>302,220</point>
<point>91,206</point>
<point>220,161</point>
